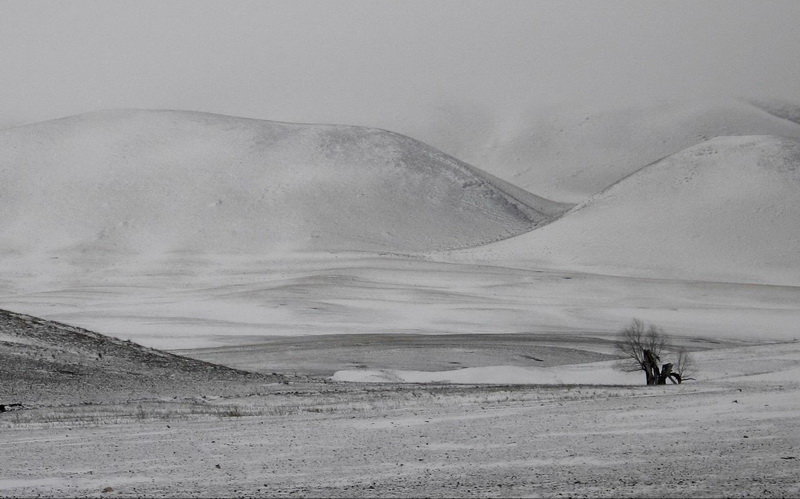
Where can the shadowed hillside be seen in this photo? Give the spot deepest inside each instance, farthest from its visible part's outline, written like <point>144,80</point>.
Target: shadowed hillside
<point>45,361</point>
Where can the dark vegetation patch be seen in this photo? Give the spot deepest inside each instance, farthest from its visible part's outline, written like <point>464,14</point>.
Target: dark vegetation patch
<point>46,362</point>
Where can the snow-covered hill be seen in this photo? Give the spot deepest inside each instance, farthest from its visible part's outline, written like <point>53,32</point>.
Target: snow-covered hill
<point>570,152</point>
<point>727,209</point>
<point>166,181</point>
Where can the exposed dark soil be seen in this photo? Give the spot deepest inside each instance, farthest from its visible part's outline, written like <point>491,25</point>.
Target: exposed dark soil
<point>45,362</point>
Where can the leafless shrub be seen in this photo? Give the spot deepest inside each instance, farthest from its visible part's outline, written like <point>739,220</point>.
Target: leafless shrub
<point>684,366</point>
<point>642,346</point>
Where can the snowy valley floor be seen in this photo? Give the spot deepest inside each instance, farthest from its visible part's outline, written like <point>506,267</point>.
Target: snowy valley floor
<point>735,431</point>
<point>574,427</point>
<point>192,301</point>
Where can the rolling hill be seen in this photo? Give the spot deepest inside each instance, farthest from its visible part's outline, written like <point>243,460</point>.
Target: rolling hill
<point>570,152</point>
<point>142,182</point>
<point>727,209</point>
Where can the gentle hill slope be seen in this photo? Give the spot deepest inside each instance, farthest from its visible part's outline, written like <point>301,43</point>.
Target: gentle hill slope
<point>45,361</point>
<point>780,109</point>
<point>727,209</point>
<point>161,181</point>
<point>571,152</point>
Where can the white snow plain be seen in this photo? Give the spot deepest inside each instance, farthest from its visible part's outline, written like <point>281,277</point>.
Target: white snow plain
<point>133,224</point>
<point>776,363</point>
<point>187,230</point>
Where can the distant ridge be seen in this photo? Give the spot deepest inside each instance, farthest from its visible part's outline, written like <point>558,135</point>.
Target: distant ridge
<point>727,209</point>
<point>781,109</point>
<point>173,181</point>
<point>570,152</point>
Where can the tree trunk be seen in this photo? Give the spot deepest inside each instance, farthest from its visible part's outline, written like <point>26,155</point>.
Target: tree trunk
<point>651,371</point>
<point>666,372</point>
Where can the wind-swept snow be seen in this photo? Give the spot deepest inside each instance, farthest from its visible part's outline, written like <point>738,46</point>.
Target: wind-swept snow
<point>137,182</point>
<point>727,209</point>
<point>763,363</point>
<point>174,229</point>
<point>599,373</point>
<point>570,152</point>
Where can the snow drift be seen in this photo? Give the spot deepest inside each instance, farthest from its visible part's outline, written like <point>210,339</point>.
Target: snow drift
<point>771,363</point>
<point>170,181</point>
<point>594,373</point>
<point>727,209</point>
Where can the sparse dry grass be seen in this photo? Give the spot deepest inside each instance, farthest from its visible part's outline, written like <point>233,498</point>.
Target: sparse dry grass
<point>97,415</point>
<point>339,400</point>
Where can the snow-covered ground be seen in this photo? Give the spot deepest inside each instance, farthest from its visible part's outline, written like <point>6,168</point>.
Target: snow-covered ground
<point>765,363</point>
<point>174,229</point>
<point>733,434</point>
<point>590,373</point>
<point>225,301</point>
<point>212,234</point>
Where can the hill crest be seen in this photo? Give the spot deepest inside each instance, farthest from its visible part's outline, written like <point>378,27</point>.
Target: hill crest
<point>163,181</point>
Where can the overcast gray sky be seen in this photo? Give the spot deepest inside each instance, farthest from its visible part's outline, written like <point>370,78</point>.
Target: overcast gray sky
<point>384,63</point>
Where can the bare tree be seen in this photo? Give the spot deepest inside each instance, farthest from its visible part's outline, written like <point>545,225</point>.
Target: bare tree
<point>684,366</point>
<point>642,348</point>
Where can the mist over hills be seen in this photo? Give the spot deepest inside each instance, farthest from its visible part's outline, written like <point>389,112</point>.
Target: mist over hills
<point>175,182</point>
<point>727,209</point>
<point>570,152</point>
<point>180,228</point>
<point>172,181</point>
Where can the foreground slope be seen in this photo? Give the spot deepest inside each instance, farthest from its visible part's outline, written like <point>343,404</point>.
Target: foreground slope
<point>728,209</point>
<point>571,152</point>
<point>169,181</point>
<point>732,434</point>
<point>47,362</point>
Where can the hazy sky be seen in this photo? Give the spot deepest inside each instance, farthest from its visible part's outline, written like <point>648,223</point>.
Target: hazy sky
<point>384,63</point>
